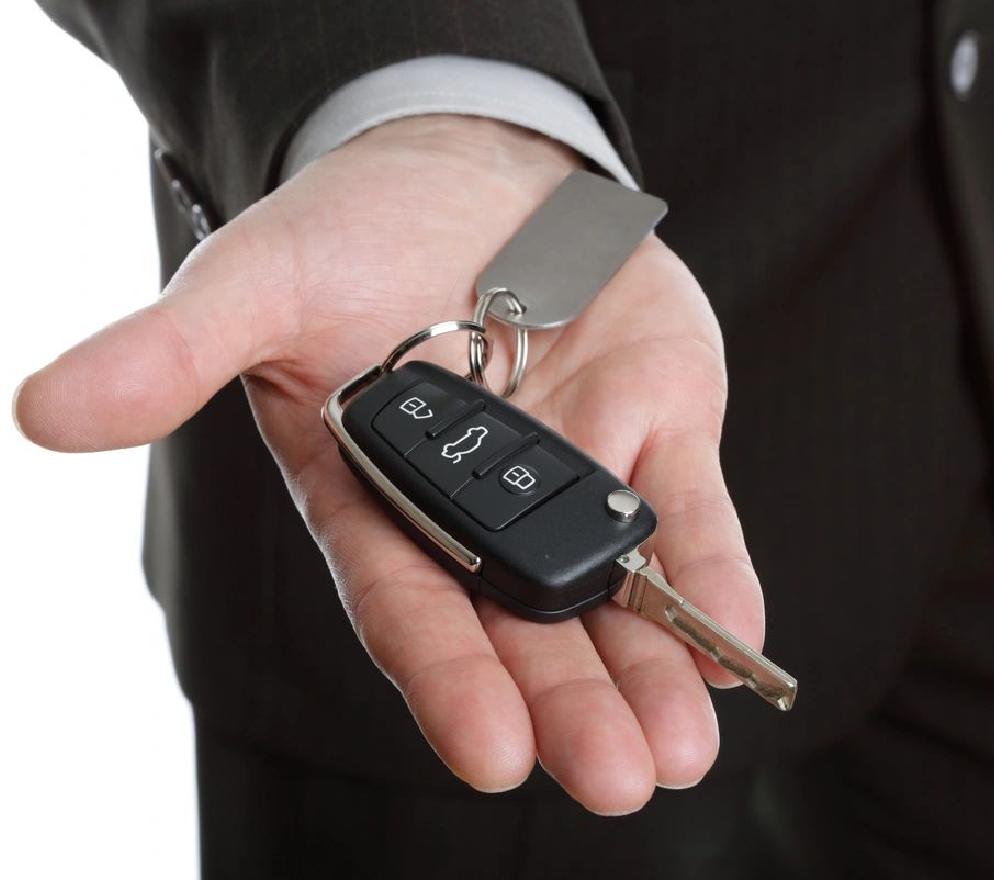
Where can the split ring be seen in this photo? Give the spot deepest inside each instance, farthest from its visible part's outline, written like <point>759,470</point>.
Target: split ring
<point>439,329</point>
<point>479,354</point>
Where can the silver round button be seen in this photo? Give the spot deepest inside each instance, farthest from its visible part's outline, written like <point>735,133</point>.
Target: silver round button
<point>623,505</point>
<point>964,64</point>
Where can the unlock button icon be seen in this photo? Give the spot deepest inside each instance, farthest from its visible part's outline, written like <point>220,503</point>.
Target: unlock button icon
<point>416,407</point>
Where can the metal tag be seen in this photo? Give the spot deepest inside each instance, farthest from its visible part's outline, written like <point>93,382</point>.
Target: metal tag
<point>569,249</point>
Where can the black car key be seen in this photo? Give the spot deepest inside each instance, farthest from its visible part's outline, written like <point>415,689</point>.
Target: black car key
<point>514,511</point>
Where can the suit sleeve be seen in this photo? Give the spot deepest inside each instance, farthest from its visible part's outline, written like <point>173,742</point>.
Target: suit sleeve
<point>465,86</point>
<point>225,84</point>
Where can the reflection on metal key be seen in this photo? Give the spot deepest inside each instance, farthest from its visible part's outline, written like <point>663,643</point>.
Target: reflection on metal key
<point>646,591</point>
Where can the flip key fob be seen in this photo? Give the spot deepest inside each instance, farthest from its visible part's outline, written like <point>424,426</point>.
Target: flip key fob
<point>508,506</point>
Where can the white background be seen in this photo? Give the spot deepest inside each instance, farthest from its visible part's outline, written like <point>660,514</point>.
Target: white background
<point>96,742</point>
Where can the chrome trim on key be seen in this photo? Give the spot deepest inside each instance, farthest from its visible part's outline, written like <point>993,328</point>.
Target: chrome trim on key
<point>333,413</point>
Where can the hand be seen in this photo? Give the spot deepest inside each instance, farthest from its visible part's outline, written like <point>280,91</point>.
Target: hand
<point>320,280</point>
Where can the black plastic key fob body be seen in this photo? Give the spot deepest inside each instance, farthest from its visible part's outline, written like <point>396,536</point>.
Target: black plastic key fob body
<point>508,506</point>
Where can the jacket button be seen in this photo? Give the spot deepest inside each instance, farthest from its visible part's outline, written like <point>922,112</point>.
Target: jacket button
<point>963,65</point>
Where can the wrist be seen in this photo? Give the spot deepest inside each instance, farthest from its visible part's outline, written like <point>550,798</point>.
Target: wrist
<point>506,150</point>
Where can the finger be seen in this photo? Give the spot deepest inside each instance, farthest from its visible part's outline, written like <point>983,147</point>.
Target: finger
<point>421,629</point>
<point>698,539</point>
<point>140,378</point>
<point>587,737</point>
<point>658,678</point>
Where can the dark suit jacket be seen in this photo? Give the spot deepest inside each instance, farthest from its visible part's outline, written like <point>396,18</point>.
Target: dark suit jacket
<point>833,196</point>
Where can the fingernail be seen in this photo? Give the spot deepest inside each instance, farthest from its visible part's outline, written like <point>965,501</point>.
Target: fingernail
<point>13,407</point>
<point>500,790</point>
<point>727,687</point>
<point>678,787</point>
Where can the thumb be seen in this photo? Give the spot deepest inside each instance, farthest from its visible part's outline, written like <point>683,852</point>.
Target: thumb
<point>143,376</point>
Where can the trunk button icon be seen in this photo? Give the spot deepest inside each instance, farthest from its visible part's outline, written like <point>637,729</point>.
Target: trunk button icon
<point>465,445</point>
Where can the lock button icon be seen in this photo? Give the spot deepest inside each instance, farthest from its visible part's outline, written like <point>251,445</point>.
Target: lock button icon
<point>520,479</point>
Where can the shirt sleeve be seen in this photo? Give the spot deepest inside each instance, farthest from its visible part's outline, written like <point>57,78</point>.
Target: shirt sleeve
<point>458,85</point>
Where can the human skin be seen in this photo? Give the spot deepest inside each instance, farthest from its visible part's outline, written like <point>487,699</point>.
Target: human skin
<point>321,279</point>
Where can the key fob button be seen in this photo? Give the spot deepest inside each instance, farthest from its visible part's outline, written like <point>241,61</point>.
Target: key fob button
<point>521,483</point>
<point>448,460</point>
<point>519,479</point>
<point>404,422</point>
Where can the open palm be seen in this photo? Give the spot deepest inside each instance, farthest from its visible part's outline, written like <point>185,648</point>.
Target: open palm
<point>320,280</point>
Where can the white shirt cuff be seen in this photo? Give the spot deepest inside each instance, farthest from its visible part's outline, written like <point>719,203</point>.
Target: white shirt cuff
<point>453,84</point>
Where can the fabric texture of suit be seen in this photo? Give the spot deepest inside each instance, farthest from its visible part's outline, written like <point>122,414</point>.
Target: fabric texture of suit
<point>835,200</point>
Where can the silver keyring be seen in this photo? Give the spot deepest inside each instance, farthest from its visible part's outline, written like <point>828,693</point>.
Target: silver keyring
<point>439,329</point>
<point>479,350</point>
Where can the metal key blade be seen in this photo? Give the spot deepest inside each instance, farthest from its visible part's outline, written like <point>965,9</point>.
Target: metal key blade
<point>646,591</point>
